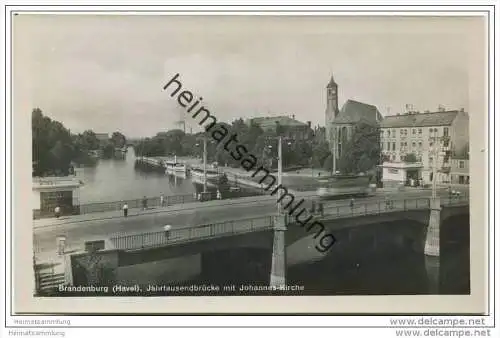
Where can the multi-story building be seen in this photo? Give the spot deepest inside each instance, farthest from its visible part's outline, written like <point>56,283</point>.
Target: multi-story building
<point>459,171</point>
<point>102,136</point>
<point>432,137</point>
<point>290,126</point>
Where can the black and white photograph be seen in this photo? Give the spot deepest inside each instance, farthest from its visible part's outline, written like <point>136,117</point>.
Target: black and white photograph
<point>208,156</point>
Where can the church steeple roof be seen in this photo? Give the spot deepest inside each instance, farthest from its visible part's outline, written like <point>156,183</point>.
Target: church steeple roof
<point>332,83</point>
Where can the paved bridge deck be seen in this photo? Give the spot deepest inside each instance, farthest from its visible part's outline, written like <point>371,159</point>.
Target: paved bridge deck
<point>192,234</point>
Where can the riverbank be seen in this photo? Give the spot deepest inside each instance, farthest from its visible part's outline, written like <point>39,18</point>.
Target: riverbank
<point>292,181</point>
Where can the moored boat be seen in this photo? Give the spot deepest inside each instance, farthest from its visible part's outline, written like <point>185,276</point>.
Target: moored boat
<point>198,175</point>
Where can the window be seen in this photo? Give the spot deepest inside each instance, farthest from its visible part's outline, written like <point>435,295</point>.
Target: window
<point>393,146</point>
<point>381,145</point>
<point>388,145</point>
<point>461,164</point>
<point>388,133</point>
<point>402,145</point>
<point>419,145</point>
<point>413,131</point>
<point>420,131</point>
<point>406,132</point>
<point>445,131</point>
<point>401,131</point>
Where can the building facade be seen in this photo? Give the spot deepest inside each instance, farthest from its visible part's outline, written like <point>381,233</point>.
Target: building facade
<point>432,137</point>
<point>287,126</point>
<point>49,192</point>
<point>340,123</point>
<point>102,136</point>
<point>459,171</point>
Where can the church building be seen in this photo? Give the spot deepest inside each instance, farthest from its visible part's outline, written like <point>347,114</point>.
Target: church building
<point>340,123</point>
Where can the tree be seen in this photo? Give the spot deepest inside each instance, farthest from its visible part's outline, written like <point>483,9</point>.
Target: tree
<point>410,158</point>
<point>320,152</point>
<point>362,152</point>
<point>53,148</point>
<point>328,163</point>
<point>108,150</point>
<point>90,140</point>
<point>118,140</point>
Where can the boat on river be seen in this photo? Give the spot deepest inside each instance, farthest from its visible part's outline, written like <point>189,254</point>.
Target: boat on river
<point>172,168</point>
<point>198,175</point>
<point>175,167</point>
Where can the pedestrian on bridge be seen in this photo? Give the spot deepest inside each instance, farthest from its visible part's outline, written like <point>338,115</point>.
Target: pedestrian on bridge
<point>57,211</point>
<point>167,229</point>
<point>351,203</point>
<point>125,209</point>
<point>320,209</point>
<point>144,203</point>
<point>162,200</point>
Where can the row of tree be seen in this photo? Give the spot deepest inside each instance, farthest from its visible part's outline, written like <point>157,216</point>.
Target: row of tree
<point>56,149</point>
<point>313,150</point>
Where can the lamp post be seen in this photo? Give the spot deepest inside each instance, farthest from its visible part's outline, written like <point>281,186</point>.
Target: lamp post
<point>434,168</point>
<point>334,152</point>
<point>204,164</point>
<point>280,168</point>
<point>280,164</point>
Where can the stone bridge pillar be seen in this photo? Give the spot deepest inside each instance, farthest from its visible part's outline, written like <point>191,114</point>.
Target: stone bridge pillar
<point>278,264</point>
<point>432,247</point>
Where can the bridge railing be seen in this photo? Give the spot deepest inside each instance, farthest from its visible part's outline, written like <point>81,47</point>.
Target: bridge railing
<point>152,202</point>
<point>455,200</point>
<point>376,207</point>
<point>162,238</point>
<point>385,206</point>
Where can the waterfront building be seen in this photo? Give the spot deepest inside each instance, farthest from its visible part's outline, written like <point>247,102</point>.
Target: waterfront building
<point>287,126</point>
<point>49,192</point>
<point>102,136</point>
<point>433,137</point>
<point>459,173</point>
<point>340,123</point>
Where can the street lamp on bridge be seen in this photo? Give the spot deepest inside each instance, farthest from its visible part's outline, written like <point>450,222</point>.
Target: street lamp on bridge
<point>280,163</point>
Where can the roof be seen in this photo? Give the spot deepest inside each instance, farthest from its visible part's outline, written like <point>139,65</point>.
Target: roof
<point>443,118</point>
<point>102,136</point>
<point>332,83</point>
<point>269,121</point>
<point>355,111</point>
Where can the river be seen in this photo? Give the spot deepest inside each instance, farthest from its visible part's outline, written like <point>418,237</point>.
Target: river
<point>118,179</point>
<point>403,273</point>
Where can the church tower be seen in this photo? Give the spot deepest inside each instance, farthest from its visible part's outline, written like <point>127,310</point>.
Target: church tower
<point>332,108</point>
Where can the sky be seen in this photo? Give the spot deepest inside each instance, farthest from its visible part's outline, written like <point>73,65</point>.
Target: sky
<point>106,73</point>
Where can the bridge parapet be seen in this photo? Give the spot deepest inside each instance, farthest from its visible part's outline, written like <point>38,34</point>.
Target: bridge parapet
<point>184,235</point>
<point>190,234</point>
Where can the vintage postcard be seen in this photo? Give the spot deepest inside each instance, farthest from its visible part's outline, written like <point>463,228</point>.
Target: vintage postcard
<point>249,163</point>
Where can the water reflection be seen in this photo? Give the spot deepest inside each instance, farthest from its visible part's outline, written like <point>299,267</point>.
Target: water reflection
<point>117,179</point>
